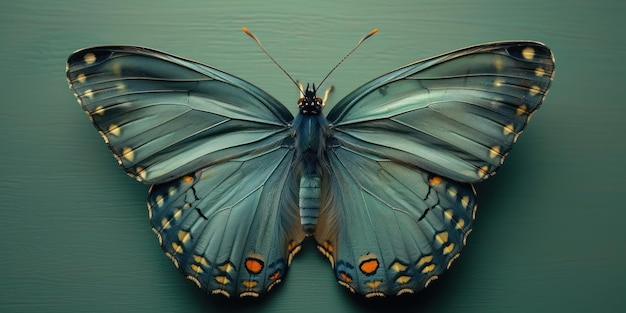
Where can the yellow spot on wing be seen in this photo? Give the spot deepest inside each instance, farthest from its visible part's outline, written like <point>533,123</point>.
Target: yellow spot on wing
<point>196,268</point>
<point>200,260</point>
<point>494,151</point>
<point>429,268</point>
<point>81,78</point>
<point>460,223</point>
<point>539,72</point>
<point>222,280</point>
<point>88,93</point>
<point>403,280</point>
<point>374,284</point>
<point>521,110</point>
<point>128,154</point>
<point>226,267</point>
<point>425,259</point>
<point>465,201</point>
<point>100,110</point>
<point>178,213</point>
<point>165,223</point>
<point>508,129</point>
<point>177,247</point>
<point>184,236</point>
<point>159,200</point>
<point>528,53</point>
<point>449,248</point>
<point>249,283</point>
<point>534,90</point>
<point>442,237</point>
<point>114,130</point>
<point>172,191</point>
<point>398,267</point>
<point>89,58</point>
<point>483,171</point>
<point>452,191</point>
<point>141,174</point>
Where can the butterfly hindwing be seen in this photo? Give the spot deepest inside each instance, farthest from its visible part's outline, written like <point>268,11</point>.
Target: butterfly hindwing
<point>164,116</point>
<point>456,115</point>
<point>233,227</point>
<point>399,226</point>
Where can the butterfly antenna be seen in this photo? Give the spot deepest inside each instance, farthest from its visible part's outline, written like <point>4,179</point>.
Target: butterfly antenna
<point>258,42</point>
<point>370,34</point>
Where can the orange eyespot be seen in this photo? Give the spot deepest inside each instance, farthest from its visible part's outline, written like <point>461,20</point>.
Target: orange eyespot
<point>369,267</point>
<point>254,266</point>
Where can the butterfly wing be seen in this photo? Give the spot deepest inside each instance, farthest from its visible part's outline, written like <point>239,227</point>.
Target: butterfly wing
<point>218,151</point>
<point>232,228</point>
<point>456,115</point>
<point>390,228</point>
<point>164,116</point>
<point>404,148</point>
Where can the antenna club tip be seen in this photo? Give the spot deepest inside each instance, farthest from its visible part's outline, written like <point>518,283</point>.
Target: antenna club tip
<point>370,34</point>
<point>245,30</point>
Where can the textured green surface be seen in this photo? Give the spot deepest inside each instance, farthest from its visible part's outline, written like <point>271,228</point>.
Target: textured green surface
<point>75,233</point>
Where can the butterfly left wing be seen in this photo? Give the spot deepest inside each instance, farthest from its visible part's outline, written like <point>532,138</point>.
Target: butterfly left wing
<point>231,228</point>
<point>219,152</point>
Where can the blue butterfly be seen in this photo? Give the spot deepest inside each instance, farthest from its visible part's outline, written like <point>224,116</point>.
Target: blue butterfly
<point>383,182</point>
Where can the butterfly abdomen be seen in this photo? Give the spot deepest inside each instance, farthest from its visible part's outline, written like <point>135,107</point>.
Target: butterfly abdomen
<point>310,186</point>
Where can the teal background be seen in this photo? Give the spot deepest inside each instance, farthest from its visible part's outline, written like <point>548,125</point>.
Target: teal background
<point>74,233</point>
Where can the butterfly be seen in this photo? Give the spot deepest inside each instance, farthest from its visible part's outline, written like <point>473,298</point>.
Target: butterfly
<point>383,182</point>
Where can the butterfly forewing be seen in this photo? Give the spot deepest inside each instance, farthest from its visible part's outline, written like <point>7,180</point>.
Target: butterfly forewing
<point>456,115</point>
<point>164,116</point>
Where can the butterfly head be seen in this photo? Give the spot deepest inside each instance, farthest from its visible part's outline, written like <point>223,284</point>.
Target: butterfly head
<point>310,104</point>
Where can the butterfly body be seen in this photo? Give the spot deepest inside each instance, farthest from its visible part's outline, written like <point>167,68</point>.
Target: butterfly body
<point>382,182</point>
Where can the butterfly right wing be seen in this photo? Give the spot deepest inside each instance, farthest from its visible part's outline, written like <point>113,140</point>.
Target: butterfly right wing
<point>389,228</point>
<point>232,228</point>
